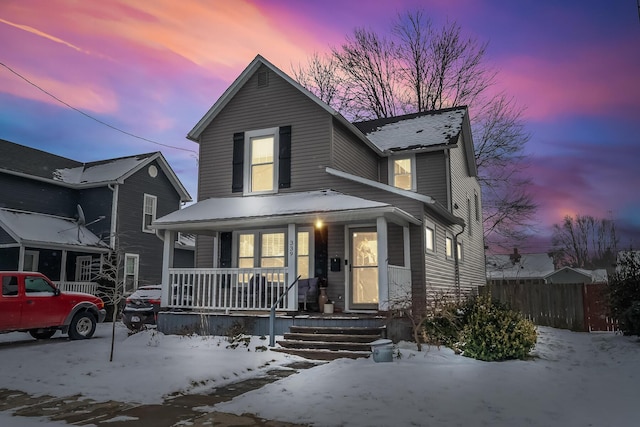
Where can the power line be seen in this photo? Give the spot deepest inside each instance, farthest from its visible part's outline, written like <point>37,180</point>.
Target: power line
<point>94,118</point>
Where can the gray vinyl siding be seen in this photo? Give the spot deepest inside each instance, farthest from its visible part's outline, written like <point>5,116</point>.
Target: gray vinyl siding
<point>254,108</point>
<point>36,196</point>
<point>204,251</point>
<point>351,155</point>
<point>5,238</point>
<point>463,186</point>
<point>97,202</point>
<point>439,270</point>
<point>431,176</point>
<point>129,223</point>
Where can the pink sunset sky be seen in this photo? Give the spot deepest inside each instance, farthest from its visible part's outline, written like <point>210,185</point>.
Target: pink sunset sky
<point>153,68</point>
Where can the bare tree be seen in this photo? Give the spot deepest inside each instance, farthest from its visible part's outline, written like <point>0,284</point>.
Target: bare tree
<point>585,241</point>
<point>424,68</point>
<point>368,63</point>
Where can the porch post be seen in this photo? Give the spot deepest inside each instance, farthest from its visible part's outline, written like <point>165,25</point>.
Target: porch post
<point>407,246</point>
<point>21,258</point>
<point>167,263</point>
<point>292,252</point>
<point>383,263</point>
<point>63,266</point>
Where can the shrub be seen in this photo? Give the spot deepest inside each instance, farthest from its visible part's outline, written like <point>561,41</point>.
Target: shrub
<point>494,332</point>
<point>624,293</point>
<point>444,326</point>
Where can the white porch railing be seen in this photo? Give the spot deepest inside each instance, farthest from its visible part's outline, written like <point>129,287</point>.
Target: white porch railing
<point>229,288</point>
<point>86,287</point>
<point>399,285</point>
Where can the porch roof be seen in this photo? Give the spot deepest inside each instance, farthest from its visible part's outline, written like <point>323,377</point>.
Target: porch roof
<point>228,213</point>
<point>48,231</point>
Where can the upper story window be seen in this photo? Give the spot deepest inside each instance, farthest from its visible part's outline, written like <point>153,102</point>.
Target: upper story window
<point>261,173</point>
<point>402,172</point>
<point>149,212</point>
<point>262,160</point>
<point>476,204</point>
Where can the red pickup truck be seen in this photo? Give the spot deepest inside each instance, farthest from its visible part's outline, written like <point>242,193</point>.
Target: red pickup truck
<point>30,302</point>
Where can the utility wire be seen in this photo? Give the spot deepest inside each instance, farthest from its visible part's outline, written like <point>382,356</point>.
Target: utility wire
<point>94,118</point>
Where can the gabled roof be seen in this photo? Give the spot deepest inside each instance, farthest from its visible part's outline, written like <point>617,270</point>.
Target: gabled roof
<point>240,81</point>
<point>592,276</point>
<point>36,164</point>
<point>40,230</point>
<point>415,131</point>
<point>529,266</point>
<point>425,131</point>
<point>256,211</point>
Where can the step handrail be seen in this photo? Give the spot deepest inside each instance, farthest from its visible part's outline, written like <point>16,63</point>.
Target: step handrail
<point>272,314</point>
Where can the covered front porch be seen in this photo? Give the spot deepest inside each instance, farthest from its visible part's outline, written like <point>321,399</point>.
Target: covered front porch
<point>257,247</point>
<point>60,248</point>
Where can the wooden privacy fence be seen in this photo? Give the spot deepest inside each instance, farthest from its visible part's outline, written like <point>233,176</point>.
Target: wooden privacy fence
<point>574,306</point>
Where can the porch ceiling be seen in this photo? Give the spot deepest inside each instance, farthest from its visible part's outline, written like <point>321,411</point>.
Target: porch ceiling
<point>47,231</point>
<point>230,213</point>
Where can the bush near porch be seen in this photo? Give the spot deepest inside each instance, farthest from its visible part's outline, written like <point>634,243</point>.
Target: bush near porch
<point>482,329</point>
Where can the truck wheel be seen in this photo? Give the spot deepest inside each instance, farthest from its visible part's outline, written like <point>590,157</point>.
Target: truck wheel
<point>42,334</point>
<point>82,326</point>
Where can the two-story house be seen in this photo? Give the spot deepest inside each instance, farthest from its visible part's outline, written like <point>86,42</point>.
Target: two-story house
<point>385,212</point>
<point>60,216</point>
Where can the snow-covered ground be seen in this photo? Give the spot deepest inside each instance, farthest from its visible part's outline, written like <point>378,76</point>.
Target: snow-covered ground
<point>574,379</point>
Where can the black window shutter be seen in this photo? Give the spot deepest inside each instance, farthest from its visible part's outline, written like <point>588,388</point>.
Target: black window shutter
<point>284,158</point>
<point>225,250</point>
<point>238,162</point>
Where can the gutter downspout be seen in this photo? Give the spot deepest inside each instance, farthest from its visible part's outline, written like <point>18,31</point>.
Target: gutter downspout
<point>114,215</point>
<point>456,265</point>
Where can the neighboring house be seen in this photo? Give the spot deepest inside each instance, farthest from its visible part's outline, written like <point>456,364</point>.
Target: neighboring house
<point>577,275</point>
<point>516,268</point>
<point>58,216</point>
<point>381,210</point>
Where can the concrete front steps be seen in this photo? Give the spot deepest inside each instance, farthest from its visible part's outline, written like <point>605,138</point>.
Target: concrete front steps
<point>329,342</point>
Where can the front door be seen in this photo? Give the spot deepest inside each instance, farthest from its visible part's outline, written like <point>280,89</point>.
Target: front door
<point>363,286</point>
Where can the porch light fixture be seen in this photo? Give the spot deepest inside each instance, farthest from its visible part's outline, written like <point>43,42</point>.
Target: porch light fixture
<point>319,224</point>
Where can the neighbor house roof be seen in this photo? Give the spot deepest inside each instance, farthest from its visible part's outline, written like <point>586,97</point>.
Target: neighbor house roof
<point>529,266</point>
<point>36,164</point>
<point>40,230</point>
<point>231,212</point>
<point>591,276</point>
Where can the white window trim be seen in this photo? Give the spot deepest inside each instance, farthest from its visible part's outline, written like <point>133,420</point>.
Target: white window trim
<point>79,261</point>
<point>391,180</point>
<point>275,132</point>
<point>36,259</point>
<point>144,212</point>
<point>312,266</point>
<point>135,273</point>
<point>430,225</point>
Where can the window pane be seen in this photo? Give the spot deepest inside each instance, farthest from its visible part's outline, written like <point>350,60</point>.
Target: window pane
<point>402,174</point>
<point>272,262</point>
<point>246,245</point>
<point>303,254</point>
<point>449,248</point>
<point>429,238</point>
<point>262,150</point>
<point>273,245</point>
<point>262,177</point>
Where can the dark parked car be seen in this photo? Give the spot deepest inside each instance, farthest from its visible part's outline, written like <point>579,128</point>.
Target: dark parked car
<point>141,307</point>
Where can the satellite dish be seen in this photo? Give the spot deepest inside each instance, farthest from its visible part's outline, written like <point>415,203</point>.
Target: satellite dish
<point>81,218</point>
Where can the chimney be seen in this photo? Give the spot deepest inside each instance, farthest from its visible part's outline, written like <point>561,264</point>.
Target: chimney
<point>515,256</point>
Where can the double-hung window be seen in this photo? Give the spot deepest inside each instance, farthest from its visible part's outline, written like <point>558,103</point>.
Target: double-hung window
<point>131,265</point>
<point>149,212</point>
<point>261,160</point>
<point>448,246</point>
<point>402,172</point>
<point>429,237</point>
